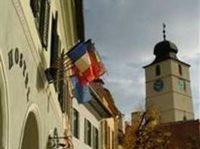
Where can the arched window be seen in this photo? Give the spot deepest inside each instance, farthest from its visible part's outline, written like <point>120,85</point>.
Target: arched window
<point>157,70</point>
<point>180,69</point>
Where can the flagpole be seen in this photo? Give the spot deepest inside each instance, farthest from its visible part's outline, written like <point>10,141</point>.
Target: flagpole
<point>61,61</point>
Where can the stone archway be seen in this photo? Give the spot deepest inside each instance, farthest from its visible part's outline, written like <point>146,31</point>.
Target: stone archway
<point>31,133</point>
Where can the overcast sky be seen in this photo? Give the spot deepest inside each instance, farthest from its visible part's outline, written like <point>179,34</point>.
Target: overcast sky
<point>125,33</point>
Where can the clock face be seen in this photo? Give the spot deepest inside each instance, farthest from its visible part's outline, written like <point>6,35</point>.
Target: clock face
<point>158,85</point>
<point>181,85</point>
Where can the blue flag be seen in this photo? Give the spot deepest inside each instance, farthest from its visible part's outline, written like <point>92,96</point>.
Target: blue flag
<point>76,52</point>
<point>81,92</point>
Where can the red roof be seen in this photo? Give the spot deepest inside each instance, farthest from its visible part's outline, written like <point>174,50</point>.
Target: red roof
<point>185,134</point>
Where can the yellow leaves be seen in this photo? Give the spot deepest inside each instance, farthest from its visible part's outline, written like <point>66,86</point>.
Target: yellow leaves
<point>143,133</point>
<point>152,114</point>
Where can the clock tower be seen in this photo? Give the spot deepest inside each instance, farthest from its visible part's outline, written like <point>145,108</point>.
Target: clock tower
<point>168,84</point>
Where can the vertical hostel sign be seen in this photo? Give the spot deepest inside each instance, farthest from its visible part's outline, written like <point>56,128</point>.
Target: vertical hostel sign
<point>17,59</point>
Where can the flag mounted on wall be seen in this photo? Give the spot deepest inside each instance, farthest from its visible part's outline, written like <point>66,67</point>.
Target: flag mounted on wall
<point>87,64</point>
<point>81,63</point>
<point>77,51</point>
<point>81,91</point>
<point>96,62</point>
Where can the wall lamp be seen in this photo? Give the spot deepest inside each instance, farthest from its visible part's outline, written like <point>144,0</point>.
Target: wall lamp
<point>54,141</point>
<point>61,65</point>
<point>50,74</point>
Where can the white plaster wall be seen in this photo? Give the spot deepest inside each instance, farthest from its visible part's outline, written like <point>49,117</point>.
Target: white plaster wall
<point>84,113</point>
<point>17,30</point>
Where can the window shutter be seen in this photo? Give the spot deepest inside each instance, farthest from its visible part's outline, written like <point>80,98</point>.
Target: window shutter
<point>54,55</point>
<point>54,41</point>
<point>61,85</point>
<point>54,49</point>
<point>44,22</point>
<point>36,9</point>
<point>85,131</point>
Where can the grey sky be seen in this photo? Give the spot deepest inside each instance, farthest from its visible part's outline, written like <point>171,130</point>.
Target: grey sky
<point>126,31</point>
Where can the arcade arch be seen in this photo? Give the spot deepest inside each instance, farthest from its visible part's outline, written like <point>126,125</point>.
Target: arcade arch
<point>30,138</point>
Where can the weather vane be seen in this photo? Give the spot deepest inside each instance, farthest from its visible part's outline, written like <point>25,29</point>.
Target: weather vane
<point>164,36</point>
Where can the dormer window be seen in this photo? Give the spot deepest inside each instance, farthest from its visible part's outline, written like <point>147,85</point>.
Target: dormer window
<point>157,70</point>
<point>180,69</point>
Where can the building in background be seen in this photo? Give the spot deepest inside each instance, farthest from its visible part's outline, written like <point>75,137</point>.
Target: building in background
<point>95,123</point>
<point>168,84</point>
<point>185,134</point>
<point>109,126</point>
<point>34,33</point>
<point>168,90</point>
<point>86,121</point>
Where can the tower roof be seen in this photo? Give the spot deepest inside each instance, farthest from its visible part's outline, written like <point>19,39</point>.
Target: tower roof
<point>165,47</point>
<point>165,50</point>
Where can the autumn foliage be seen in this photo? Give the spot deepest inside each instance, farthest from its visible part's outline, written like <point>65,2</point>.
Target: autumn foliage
<point>144,132</point>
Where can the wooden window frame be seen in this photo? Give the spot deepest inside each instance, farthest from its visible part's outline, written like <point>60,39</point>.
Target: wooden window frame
<point>95,138</point>
<point>88,133</point>
<point>75,124</point>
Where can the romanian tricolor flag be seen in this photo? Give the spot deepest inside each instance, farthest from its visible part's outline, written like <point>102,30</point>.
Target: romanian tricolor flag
<point>96,62</point>
<point>77,51</point>
<point>83,69</point>
<point>87,64</point>
<point>81,63</point>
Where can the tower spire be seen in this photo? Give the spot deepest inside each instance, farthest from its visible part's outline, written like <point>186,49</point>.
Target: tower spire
<point>164,36</point>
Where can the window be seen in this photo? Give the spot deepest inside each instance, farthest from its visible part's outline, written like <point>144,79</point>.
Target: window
<point>109,137</point>
<point>157,70</point>
<point>106,133</point>
<point>113,140</point>
<point>41,12</point>
<point>54,41</point>
<point>79,18</point>
<point>75,123</point>
<point>95,138</point>
<point>180,69</point>
<point>55,52</point>
<point>181,85</point>
<point>35,7</point>
<point>87,132</point>
<point>54,48</point>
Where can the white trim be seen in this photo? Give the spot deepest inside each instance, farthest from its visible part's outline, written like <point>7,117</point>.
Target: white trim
<point>35,50</point>
<point>37,56</point>
<point>4,102</point>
